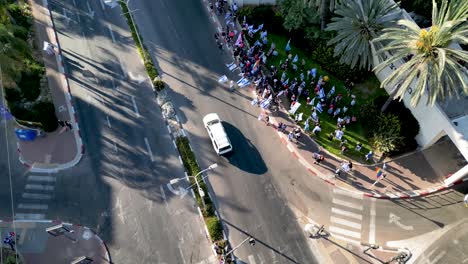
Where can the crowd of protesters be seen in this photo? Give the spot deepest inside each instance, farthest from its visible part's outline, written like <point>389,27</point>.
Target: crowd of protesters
<point>273,83</point>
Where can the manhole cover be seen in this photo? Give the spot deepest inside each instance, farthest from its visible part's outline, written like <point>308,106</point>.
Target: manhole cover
<point>87,234</point>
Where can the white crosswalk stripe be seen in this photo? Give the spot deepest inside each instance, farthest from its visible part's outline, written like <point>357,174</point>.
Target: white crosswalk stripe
<point>251,259</point>
<point>38,191</point>
<point>346,216</point>
<point>41,178</point>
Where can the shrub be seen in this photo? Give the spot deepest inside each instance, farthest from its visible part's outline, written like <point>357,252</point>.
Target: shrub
<point>188,158</point>
<point>386,135</point>
<point>214,228</point>
<point>262,14</point>
<point>158,85</point>
<point>209,210</point>
<point>20,15</point>
<point>45,113</point>
<point>409,125</point>
<point>150,69</point>
<point>30,82</point>
<point>12,95</point>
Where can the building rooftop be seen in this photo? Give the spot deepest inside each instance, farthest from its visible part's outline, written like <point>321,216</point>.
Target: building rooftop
<point>455,108</point>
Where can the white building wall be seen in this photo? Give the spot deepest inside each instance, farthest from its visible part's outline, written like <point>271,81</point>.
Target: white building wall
<point>254,2</point>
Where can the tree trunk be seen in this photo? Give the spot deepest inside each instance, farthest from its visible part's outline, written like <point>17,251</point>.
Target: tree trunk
<point>324,13</point>
<point>387,103</point>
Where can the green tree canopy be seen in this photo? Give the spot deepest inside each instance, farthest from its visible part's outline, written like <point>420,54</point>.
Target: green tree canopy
<point>357,23</point>
<point>297,14</point>
<point>435,64</point>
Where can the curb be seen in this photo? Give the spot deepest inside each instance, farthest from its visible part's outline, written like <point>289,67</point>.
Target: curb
<point>71,110</point>
<point>103,244</point>
<point>377,195</point>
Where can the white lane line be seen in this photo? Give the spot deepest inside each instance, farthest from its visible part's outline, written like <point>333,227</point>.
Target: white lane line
<point>115,147</point>
<point>346,213</point>
<point>348,193</point>
<point>33,206</point>
<point>175,145</point>
<point>38,196</point>
<point>347,204</point>
<point>149,149</point>
<point>163,194</point>
<point>180,160</point>
<point>111,33</point>
<point>181,253</point>
<point>108,122</point>
<point>102,5</point>
<point>29,216</point>
<point>39,187</point>
<point>135,108</point>
<point>372,222</point>
<point>41,178</point>
<point>168,128</point>
<point>251,259</point>
<point>337,230</point>
<point>345,222</point>
<point>349,240</point>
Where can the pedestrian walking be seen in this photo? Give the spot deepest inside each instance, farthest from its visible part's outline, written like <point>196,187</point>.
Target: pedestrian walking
<point>358,146</point>
<point>69,125</point>
<point>369,155</point>
<point>297,132</point>
<point>384,166</point>
<point>61,123</point>
<point>290,136</point>
<point>267,120</point>
<point>318,158</point>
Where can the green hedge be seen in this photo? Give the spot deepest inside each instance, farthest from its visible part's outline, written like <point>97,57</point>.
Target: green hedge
<point>144,53</point>
<point>214,228</point>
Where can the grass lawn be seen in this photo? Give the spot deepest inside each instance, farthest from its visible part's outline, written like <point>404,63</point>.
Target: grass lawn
<point>364,92</point>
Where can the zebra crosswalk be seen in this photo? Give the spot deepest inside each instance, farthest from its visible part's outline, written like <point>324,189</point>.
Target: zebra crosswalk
<point>37,194</point>
<point>346,216</point>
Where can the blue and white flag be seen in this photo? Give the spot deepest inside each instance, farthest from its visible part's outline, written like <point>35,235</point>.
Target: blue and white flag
<point>288,47</point>
<point>313,72</point>
<point>321,93</point>
<point>295,59</point>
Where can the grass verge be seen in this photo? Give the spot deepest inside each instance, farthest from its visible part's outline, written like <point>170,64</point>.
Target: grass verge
<point>190,163</point>
<point>144,53</point>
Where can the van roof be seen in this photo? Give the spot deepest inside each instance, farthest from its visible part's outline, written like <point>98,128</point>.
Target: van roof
<point>219,135</point>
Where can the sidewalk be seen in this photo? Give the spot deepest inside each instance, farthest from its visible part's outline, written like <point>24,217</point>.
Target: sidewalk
<point>35,245</point>
<point>59,149</point>
<point>415,174</point>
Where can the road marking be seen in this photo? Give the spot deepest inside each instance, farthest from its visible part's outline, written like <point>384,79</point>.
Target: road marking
<point>164,196</point>
<point>41,178</point>
<point>180,160</point>
<point>40,187</point>
<point>168,129</point>
<point>121,213</point>
<point>33,206</point>
<point>348,193</point>
<point>108,122</point>
<point>181,253</point>
<point>346,213</point>
<point>372,222</point>
<point>102,5</point>
<point>345,222</point>
<point>38,196</point>
<point>135,107</point>
<point>337,230</point>
<point>115,147</point>
<point>175,145</point>
<point>349,240</point>
<point>90,10</point>
<point>29,216</point>
<point>347,204</point>
<point>251,259</point>
<point>124,73</point>
<point>393,218</point>
<point>149,149</point>
<point>111,32</point>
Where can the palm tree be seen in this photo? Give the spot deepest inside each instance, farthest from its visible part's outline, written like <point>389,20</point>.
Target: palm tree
<point>357,24</point>
<point>325,7</point>
<point>435,65</point>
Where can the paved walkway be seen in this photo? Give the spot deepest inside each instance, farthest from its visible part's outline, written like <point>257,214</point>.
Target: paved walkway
<point>37,246</point>
<point>60,149</point>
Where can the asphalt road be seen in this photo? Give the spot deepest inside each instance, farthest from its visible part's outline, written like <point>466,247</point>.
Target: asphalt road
<point>119,187</point>
<point>260,184</point>
<point>117,190</point>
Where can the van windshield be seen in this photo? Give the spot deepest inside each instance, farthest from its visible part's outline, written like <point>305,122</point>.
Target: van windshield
<point>212,122</point>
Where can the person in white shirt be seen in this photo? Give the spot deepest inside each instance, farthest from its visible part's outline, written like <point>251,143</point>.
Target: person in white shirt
<point>316,129</point>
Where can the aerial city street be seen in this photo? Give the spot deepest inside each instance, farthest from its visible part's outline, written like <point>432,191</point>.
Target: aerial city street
<point>234,131</point>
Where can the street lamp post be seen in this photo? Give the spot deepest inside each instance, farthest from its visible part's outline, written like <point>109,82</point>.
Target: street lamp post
<point>200,190</point>
<point>251,242</point>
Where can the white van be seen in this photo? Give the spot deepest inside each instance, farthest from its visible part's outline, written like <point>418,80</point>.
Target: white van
<point>218,136</point>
